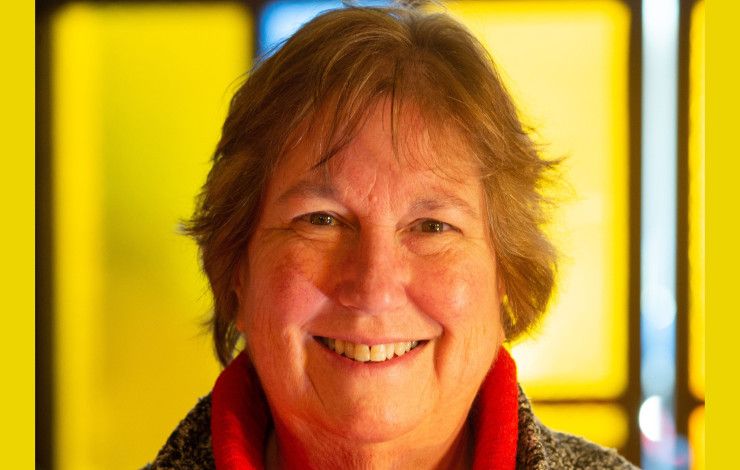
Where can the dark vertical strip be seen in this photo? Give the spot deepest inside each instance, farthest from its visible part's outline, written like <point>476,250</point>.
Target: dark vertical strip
<point>684,400</point>
<point>632,394</point>
<point>258,7</point>
<point>44,248</point>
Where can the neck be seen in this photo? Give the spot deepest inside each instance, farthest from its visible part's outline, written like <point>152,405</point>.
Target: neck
<point>285,451</point>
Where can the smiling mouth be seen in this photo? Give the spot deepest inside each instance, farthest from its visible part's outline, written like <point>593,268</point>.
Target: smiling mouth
<point>365,353</point>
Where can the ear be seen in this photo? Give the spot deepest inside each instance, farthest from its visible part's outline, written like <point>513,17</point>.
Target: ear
<point>500,286</point>
<point>501,291</point>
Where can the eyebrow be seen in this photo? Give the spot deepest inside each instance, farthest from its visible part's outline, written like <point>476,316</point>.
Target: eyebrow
<point>442,200</point>
<point>306,189</point>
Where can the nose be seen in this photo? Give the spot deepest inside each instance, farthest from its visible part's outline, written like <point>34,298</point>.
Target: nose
<point>373,275</point>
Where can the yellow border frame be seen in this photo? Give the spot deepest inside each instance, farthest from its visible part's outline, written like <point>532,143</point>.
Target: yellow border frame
<point>17,345</point>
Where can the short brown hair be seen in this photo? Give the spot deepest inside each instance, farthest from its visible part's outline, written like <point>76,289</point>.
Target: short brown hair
<point>351,58</point>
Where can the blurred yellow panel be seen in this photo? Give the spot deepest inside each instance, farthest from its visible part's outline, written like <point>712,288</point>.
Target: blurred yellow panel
<point>603,424</point>
<point>139,93</point>
<point>17,237</point>
<point>696,438</point>
<point>566,63</point>
<point>696,203</point>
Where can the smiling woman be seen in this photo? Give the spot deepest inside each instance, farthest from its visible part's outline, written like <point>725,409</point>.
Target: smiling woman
<point>370,267</point>
<point>371,227</point>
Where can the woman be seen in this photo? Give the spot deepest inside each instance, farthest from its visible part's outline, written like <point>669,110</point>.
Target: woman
<point>371,228</point>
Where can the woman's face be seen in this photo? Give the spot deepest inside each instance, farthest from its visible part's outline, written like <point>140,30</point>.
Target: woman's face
<point>374,252</point>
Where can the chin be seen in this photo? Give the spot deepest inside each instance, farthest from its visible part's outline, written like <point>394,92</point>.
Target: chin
<point>375,423</point>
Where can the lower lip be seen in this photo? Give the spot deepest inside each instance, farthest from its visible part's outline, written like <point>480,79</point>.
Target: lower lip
<point>346,362</point>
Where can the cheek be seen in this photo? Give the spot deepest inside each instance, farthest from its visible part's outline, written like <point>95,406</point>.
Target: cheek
<point>281,291</point>
<point>462,297</point>
<point>458,294</point>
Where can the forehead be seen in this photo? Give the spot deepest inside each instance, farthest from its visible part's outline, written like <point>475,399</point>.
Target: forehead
<point>387,140</point>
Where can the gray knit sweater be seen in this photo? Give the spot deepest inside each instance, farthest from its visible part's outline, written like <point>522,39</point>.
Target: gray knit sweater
<point>538,448</point>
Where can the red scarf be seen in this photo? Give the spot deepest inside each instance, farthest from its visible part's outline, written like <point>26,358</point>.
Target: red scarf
<point>240,419</point>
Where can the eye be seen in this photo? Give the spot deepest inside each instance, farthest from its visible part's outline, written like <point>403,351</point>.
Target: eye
<point>321,218</point>
<point>434,226</point>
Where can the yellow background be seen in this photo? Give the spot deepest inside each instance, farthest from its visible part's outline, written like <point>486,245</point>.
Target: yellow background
<point>139,94</point>
<point>723,167</point>
<point>17,273</point>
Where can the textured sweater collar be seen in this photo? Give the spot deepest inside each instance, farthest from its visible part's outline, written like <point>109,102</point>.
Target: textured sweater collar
<point>241,421</point>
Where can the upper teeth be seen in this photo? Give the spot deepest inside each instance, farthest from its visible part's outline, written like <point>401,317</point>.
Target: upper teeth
<point>363,352</point>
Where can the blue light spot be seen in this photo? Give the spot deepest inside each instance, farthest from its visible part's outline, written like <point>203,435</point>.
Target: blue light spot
<point>281,18</point>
